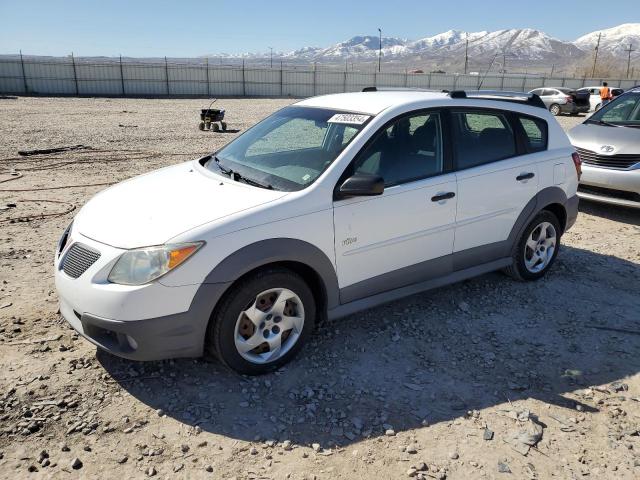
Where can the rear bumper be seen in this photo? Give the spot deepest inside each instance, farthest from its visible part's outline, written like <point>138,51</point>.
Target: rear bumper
<point>571,207</point>
<point>573,108</point>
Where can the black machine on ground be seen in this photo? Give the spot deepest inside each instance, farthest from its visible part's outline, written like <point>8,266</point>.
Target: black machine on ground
<point>212,119</point>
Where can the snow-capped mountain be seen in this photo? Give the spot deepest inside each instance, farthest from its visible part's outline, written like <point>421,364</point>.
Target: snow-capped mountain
<point>614,40</point>
<point>526,44</point>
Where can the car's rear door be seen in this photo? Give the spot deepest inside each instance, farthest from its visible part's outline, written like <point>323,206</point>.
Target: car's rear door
<point>496,178</point>
<point>404,235</point>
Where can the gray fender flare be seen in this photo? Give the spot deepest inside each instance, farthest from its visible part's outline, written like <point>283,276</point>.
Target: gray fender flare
<point>544,197</point>
<point>274,250</point>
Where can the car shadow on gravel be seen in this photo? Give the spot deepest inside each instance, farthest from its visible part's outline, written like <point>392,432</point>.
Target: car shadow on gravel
<point>630,216</point>
<point>429,358</point>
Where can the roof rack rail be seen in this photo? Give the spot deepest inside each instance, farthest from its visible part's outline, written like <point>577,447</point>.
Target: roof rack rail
<point>517,97</point>
<point>401,89</point>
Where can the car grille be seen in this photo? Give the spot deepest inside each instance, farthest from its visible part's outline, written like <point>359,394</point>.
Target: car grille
<point>78,259</point>
<point>607,161</point>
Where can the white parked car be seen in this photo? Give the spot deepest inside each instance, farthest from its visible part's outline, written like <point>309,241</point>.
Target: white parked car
<point>595,102</point>
<point>329,206</point>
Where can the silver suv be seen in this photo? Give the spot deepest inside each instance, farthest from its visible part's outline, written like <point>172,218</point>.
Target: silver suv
<point>609,145</point>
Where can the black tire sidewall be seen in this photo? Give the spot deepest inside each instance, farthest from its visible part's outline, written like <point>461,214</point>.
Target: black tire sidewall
<point>523,272</point>
<point>226,316</point>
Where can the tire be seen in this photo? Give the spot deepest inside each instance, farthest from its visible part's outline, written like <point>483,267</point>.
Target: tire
<point>524,267</point>
<point>249,316</point>
<point>597,107</point>
<point>555,109</point>
<point>201,126</point>
<point>224,126</point>
<point>215,127</point>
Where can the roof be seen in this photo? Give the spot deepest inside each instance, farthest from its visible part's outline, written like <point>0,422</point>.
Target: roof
<point>371,103</point>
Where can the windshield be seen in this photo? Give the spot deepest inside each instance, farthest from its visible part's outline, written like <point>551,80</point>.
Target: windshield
<point>290,149</point>
<point>625,110</point>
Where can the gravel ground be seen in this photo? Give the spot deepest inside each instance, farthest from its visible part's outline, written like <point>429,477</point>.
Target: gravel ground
<point>488,378</point>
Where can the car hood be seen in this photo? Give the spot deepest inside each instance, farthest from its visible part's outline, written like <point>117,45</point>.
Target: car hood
<point>624,140</point>
<point>155,207</point>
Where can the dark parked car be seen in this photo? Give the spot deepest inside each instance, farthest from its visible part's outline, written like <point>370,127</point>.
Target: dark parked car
<point>564,100</point>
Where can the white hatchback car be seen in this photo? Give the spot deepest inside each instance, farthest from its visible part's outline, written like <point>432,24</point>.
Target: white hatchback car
<point>329,206</point>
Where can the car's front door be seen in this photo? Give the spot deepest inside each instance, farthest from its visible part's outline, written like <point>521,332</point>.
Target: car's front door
<point>495,181</point>
<point>404,235</point>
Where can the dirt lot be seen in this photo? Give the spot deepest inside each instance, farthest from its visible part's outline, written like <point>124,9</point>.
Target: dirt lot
<point>453,383</point>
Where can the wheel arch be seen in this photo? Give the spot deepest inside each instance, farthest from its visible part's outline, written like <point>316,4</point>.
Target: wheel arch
<point>299,256</point>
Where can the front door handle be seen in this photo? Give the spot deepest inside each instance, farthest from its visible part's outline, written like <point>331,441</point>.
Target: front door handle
<point>525,176</point>
<point>442,196</point>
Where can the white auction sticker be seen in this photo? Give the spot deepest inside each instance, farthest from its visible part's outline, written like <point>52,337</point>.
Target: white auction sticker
<point>351,118</point>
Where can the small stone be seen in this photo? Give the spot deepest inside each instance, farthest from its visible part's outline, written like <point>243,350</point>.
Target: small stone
<point>412,472</point>
<point>122,459</point>
<point>160,412</point>
<point>412,449</point>
<point>184,447</point>
<point>454,455</point>
<point>390,432</point>
<point>76,464</point>
<point>208,468</point>
<point>316,447</point>
<point>487,435</point>
<point>65,448</point>
<point>177,468</point>
<point>151,471</point>
<point>253,451</point>
<point>464,306</point>
<point>422,467</point>
<point>503,468</point>
<point>286,444</point>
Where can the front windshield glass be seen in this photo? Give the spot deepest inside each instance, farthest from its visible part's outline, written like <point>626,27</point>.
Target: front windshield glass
<point>289,149</point>
<point>624,110</point>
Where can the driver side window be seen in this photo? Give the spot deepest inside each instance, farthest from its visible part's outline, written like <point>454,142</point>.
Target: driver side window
<point>409,149</point>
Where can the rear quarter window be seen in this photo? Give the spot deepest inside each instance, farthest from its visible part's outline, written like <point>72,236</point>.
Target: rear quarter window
<point>535,133</point>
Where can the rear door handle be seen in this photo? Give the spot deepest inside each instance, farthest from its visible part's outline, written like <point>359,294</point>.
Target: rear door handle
<point>442,196</point>
<point>525,176</point>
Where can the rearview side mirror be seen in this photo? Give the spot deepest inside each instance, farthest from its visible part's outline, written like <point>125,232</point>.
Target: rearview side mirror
<point>361,185</point>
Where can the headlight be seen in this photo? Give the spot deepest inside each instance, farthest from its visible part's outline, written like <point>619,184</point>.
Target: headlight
<point>143,265</point>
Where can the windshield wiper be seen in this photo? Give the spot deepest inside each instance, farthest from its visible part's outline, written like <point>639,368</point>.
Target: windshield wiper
<point>602,122</point>
<point>240,178</point>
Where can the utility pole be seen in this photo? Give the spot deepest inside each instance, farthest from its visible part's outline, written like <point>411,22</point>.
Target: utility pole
<point>271,63</point>
<point>380,50</point>
<point>595,57</point>
<point>466,54</point>
<point>629,50</point>
<point>553,67</point>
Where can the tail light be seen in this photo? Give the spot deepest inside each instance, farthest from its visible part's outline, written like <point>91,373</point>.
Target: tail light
<point>569,99</point>
<point>577,162</point>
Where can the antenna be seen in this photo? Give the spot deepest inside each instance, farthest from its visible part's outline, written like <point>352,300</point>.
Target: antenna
<point>487,71</point>
<point>595,57</point>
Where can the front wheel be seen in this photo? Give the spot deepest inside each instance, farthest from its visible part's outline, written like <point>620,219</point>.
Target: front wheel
<point>537,248</point>
<point>262,322</point>
<point>555,109</point>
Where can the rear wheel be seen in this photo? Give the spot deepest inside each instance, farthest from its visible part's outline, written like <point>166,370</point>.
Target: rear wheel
<point>215,127</point>
<point>555,109</point>
<point>224,126</point>
<point>537,248</point>
<point>201,126</point>
<point>262,322</point>
<point>597,107</point>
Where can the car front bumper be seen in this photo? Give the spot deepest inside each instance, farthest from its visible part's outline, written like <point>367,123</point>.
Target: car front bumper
<point>147,322</point>
<point>613,186</point>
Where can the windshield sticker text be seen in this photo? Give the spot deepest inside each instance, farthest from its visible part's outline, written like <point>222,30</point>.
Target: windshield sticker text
<point>350,118</point>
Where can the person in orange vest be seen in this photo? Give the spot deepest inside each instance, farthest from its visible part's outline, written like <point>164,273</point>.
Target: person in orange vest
<point>605,94</point>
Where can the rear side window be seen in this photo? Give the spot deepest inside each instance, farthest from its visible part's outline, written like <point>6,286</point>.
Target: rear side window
<point>535,133</point>
<point>481,137</point>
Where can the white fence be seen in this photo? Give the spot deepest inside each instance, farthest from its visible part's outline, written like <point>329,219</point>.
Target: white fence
<point>68,76</point>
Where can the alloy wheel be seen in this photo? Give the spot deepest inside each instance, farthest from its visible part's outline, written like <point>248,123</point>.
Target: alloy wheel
<point>269,326</point>
<point>540,247</point>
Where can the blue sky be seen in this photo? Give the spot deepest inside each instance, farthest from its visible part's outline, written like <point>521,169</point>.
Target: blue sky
<point>191,28</point>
